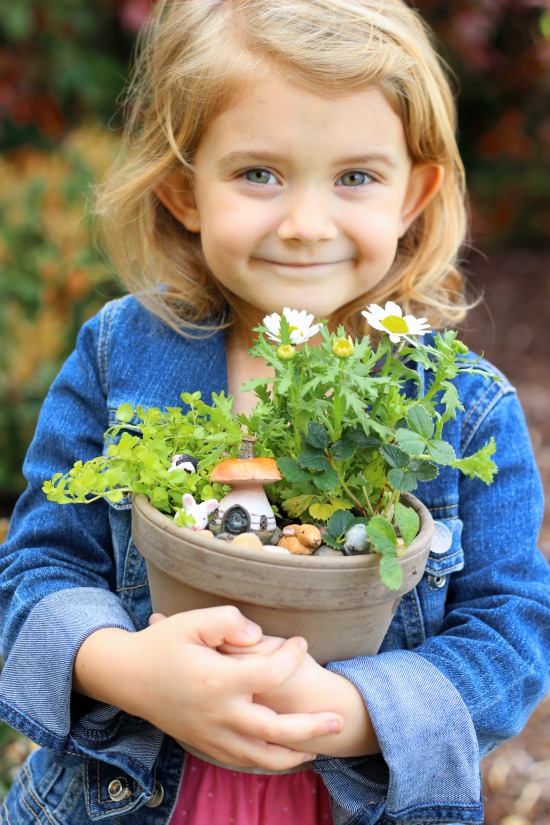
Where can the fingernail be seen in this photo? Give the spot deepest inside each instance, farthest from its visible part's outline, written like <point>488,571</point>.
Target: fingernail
<point>253,630</point>
<point>301,642</point>
<point>335,726</point>
<point>309,757</point>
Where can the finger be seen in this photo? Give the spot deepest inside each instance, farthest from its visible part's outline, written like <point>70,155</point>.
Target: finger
<point>246,752</point>
<point>260,673</point>
<point>155,618</point>
<point>266,645</point>
<point>289,729</point>
<point>215,626</point>
<point>271,757</point>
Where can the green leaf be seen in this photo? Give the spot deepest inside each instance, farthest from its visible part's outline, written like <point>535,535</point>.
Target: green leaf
<point>322,511</point>
<point>327,480</point>
<point>394,456</point>
<point>441,451</point>
<point>125,413</point>
<point>408,522</point>
<point>411,442</point>
<point>344,448</point>
<point>311,459</point>
<point>297,505</point>
<point>339,523</point>
<point>382,535</point>
<point>317,435</point>
<point>479,465</point>
<point>423,470</point>
<point>391,573</point>
<point>402,480</point>
<point>375,472</point>
<point>419,421</point>
<point>291,471</point>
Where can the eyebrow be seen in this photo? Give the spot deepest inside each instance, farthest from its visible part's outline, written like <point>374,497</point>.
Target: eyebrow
<point>273,158</point>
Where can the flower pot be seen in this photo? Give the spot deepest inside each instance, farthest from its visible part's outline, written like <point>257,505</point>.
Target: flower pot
<point>338,603</point>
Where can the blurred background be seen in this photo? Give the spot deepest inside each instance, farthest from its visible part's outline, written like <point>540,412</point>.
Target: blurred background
<point>63,67</point>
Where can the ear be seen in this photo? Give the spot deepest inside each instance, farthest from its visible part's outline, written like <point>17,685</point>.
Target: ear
<point>424,183</point>
<point>176,193</point>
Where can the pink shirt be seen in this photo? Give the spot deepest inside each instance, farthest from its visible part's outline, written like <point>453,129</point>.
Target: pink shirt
<point>215,796</point>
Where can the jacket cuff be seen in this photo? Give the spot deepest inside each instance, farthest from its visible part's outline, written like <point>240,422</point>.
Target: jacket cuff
<point>35,685</point>
<point>426,735</point>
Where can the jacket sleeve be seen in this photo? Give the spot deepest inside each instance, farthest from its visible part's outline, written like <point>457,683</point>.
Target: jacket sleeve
<point>58,583</point>
<point>440,707</point>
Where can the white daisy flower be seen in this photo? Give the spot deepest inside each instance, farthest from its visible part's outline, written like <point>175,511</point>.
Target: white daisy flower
<point>299,323</point>
<point>390,319</point>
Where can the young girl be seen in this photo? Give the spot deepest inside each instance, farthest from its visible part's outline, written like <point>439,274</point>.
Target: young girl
<point>294,153</point>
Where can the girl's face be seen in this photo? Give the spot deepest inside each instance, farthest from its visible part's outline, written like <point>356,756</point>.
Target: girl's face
<point>300,199</point>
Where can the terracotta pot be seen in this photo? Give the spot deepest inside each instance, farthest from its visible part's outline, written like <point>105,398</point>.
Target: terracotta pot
<point>337,603</point>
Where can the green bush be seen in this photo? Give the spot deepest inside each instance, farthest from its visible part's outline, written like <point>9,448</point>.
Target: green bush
<point>52,277</point>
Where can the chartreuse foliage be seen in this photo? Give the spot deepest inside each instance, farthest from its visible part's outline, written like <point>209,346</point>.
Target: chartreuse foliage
<point>352,427</point>
<point>138,452</point>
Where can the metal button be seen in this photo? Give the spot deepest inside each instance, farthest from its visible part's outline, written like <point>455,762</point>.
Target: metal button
<point>442,538</point>
<point>118,790</point>
<point>158,796</point>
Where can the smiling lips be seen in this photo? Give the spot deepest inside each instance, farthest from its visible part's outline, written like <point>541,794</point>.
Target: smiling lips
<point>300,264</point>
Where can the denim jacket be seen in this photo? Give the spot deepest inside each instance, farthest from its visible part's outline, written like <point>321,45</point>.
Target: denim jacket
<point>465,660</point>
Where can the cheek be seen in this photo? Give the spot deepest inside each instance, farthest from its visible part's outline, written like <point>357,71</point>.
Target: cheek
<point>222,239</point>
<point>377,237</point>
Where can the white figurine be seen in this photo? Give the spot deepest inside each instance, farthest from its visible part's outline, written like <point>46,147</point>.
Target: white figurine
<point>200,512</point>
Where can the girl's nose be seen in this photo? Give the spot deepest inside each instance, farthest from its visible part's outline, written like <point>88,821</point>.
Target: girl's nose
<point>307,219</point>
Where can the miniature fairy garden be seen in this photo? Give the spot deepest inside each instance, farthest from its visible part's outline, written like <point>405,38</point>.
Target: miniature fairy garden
<point>338,434</point>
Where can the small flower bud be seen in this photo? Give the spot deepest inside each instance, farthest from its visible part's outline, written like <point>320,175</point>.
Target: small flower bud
<point>342,347</point>
<point>286,352</point>
<point>460,348</point>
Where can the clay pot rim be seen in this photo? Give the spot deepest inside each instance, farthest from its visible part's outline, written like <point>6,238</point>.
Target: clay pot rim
<point>164,522</point>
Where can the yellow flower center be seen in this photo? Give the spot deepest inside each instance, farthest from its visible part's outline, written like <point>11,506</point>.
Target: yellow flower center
<point>394,323</point>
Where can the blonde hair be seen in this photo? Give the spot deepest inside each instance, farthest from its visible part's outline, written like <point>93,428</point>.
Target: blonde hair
<point>193,56</point>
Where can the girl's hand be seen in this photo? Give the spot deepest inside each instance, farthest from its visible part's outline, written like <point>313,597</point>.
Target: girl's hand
<point>310,688</point>
<point>172,675</point>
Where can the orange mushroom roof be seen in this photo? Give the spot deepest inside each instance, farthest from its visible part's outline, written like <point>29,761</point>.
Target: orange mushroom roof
<point>261,470</point>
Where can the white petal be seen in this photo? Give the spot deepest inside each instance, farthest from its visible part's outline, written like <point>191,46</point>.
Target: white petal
<point>273,325</point>
<point>375,311</point>
<point>392,308</point>
<point>372,319</point>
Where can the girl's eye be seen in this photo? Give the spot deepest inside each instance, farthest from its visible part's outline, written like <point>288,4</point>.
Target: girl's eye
<point>259,176</point>
<point>354,178</point>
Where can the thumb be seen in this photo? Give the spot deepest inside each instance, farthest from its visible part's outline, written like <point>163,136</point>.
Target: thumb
<point>154,618</point>
<point>214,626</point>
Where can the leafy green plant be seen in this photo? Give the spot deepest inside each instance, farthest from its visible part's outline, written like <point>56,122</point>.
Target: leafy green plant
<point>138,455</point>
<point>352,425</point>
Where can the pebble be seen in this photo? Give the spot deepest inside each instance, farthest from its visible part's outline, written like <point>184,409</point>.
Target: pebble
<point>250,540</point>
<point>325,550</point>
<point>356,540</point>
